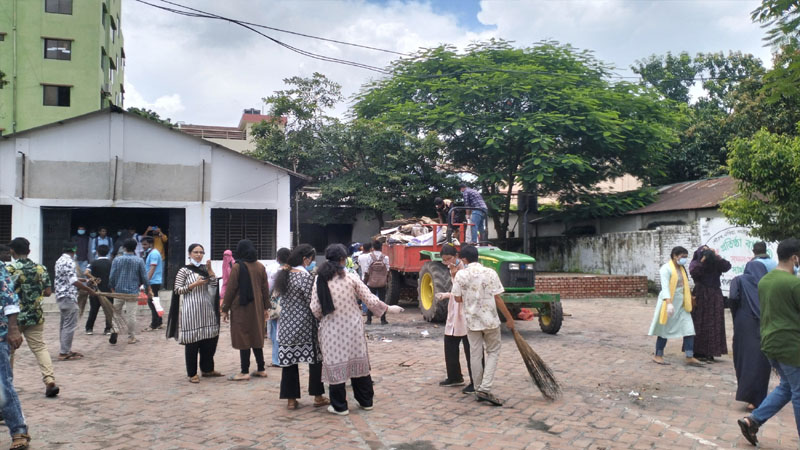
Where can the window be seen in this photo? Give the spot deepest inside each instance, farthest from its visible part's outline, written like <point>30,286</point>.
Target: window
<point>56,95</point>
<point>2,37</point>
<point>229,226</point>
<point>5,223</point>
<point>58,6</point>
<point>57,49</point>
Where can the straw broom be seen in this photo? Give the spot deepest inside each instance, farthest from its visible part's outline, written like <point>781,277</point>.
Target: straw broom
<point>540,374</point>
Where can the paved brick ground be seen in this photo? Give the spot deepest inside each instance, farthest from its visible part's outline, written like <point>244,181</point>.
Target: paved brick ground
<point>137,396</point>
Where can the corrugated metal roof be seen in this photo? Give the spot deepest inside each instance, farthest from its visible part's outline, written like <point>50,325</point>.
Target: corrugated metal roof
<point>700,194</point>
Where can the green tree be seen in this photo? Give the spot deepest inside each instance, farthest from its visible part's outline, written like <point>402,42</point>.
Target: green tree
<point>781,19</point>
<point>544,117</point>
<point>766,166</point>
<point>150,114</point>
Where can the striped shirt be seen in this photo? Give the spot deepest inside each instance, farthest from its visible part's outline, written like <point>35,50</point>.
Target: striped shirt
<point>127,274</point>
<point>196,319</point>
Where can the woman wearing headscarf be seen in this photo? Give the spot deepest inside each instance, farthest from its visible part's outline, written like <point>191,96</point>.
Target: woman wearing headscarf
<point>752,367</point>
<point>672,318</point>
<point>341,332</point>
<point>246,302</point>
<point>298,341</point>
<point>708,312</point>
<point>227,264</point>
<point>194,314</point>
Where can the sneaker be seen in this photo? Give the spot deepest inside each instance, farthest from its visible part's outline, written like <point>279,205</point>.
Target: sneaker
<point>449,382</point>
<point>89,332</point>
<point>106,332</point>
<point>470,389</point>
<point>489,397</point>
<point>365,408</point>
<point>51,390</point>
<point>749,429</point>
<point>338,413</point>
<point>113,339</point>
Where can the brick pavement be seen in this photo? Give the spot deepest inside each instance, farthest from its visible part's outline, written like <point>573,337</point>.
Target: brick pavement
<point>137,396</point>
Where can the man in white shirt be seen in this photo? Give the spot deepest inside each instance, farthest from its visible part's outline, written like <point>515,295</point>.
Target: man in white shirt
<point>378,282</point>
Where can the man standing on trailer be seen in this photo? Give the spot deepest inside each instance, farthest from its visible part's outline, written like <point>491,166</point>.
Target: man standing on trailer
<point>473,199</point>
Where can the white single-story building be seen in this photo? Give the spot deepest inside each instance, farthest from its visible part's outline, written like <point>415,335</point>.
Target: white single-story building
<point>115,169</point>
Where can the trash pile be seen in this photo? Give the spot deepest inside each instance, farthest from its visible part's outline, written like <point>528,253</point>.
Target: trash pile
<point>413,232</point>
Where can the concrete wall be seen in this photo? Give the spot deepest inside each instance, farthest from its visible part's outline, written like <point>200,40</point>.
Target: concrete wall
<point>77,163</point>
<point>626,253</point>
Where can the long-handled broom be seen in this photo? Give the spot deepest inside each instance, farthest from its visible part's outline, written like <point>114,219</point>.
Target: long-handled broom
<point>540,374</point>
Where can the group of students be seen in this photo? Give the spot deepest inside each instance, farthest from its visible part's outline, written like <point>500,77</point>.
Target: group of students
<point>765,304</point>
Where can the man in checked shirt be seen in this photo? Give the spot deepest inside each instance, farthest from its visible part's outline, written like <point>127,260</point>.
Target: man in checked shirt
<point>127,274</point>
<point>473,199</point>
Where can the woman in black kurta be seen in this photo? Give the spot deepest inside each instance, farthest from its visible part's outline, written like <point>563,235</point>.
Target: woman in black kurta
<point>752,367</point>
<point>708,313</point>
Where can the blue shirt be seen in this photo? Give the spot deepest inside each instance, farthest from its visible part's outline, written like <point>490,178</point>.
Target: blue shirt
<point>8,300</point>
<point>153,258</point>
<point>473,199</point>
<point>127,274</point>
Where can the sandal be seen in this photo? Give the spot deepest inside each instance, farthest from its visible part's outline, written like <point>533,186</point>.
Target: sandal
<point>292,404</point>
<point>261,374</point>
<point>194,379</point>
<point>321,401</point>
<point>213,373</point>
<point>749,429</point>
<point>239,377</point>
<point>20,441</point>
<point>69,356</point>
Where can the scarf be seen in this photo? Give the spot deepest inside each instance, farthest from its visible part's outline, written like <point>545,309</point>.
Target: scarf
<point>744,288</point>
<point>227,264</point>
<point>673,285</point>
<point>245,252</point>
<point>174,304</point>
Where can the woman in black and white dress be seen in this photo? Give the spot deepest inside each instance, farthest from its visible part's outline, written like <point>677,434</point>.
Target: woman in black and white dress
<point>297,339</point>
<point>194,314</point>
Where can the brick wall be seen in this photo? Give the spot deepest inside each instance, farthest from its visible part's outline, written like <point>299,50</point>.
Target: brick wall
<point>592,286</point>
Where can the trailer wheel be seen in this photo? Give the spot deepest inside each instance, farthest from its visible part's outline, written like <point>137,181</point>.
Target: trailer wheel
<point>395,283</point>
<point>433,279</point>
<point>551,317</point>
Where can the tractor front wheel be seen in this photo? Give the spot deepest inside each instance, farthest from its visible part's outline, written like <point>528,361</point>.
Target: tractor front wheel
<point>550,317</point>
<point>433,279</point>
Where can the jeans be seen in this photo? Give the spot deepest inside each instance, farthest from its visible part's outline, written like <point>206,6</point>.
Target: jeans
<point>82,265</point>
<point>12,410</point>
<point>483,375</point>
<point>788,389</point>
<point>272,328</point>
<point>69,323</point>
<point>155,319</point>
<point>34,336</point>
<point>688,346</point>
<point>477,218</point>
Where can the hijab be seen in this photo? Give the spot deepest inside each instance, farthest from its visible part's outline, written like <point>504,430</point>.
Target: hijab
<point>245,253</point>
<point>744,288</point>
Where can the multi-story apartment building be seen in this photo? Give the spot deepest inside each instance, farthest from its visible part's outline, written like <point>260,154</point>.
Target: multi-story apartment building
<point>61,59</point>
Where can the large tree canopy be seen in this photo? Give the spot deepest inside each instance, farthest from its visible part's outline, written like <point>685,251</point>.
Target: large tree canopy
<point>545,117</point>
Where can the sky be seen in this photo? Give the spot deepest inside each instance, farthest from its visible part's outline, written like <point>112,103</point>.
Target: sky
<point>203,71</point>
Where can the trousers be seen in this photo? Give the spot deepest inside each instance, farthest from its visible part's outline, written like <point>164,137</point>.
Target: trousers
<point>362,391</point>
<point>290,381</point>
<point>272,330</point>
<point>452,357</point>
<point>130,315</point>
<point>34,336</point>
<point>788,390</point>
<point>94,308</point>
<point>244,359</point>
<point>688,346</point>
<point>206,348</point>
<point>69,323</point>
<point>483,375</point>
<point>12,410</point>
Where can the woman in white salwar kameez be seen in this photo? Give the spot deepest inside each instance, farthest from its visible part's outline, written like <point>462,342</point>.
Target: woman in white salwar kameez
<point>672,318</point>
<point>334,302</point>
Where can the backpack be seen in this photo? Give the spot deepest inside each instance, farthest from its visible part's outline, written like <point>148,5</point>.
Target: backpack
<point>377,273</point>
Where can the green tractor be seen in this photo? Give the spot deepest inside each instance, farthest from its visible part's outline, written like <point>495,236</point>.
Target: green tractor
<point>423,264</point>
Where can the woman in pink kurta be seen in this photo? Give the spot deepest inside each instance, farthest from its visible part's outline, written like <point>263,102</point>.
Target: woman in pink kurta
<point>334,302</point>
<point>455,329</point>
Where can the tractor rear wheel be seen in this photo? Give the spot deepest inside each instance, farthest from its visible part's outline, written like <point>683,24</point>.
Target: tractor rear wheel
<point>551,317</point>
<point>393,286</point>
<point>433,279</point>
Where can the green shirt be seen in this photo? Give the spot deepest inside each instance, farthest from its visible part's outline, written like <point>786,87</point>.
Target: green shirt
<point>779,296</point>
<point>30,281</point>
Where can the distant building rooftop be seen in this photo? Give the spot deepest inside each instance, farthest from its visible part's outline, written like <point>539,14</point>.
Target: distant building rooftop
<point>699,194</point>
<point>238,138</point>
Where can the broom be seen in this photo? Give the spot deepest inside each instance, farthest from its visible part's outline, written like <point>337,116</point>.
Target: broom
<point>540,374</point>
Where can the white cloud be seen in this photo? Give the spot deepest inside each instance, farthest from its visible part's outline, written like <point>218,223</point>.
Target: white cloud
<point>204,71</point>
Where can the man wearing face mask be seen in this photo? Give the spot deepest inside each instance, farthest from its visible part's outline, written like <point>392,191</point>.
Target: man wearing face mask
<point>81,240</point>
<point>779,297</point>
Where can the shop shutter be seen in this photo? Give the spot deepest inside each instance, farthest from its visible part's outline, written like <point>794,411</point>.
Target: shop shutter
<point>5,223</point>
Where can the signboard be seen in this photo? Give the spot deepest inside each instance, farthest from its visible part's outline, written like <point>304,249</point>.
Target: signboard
<point>733,243</point>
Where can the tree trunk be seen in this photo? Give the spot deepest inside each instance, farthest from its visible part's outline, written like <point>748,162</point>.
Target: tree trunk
<point>379,217</point>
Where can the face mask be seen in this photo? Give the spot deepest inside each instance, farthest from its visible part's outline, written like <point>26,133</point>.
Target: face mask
<point>93,234</point>
<point>196,263</point>
<point>81,232</point>
<point>119,233</point>
<point>683,261</point>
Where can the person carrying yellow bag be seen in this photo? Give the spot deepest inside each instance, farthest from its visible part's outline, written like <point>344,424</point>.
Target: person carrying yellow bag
<point>672,317</point>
